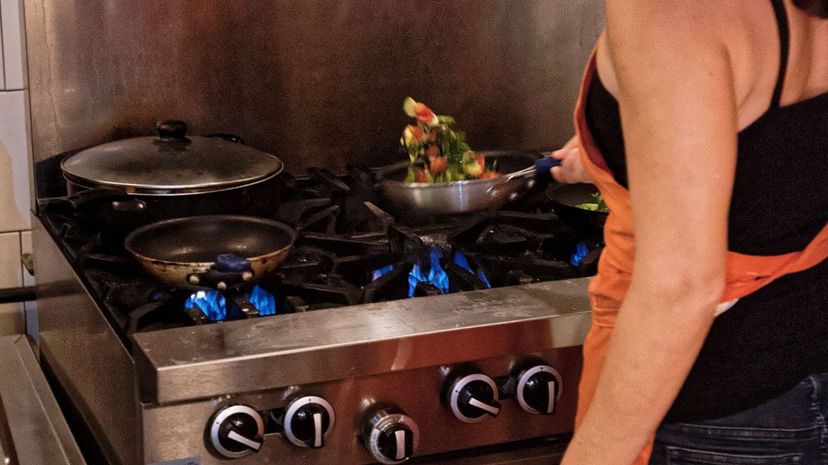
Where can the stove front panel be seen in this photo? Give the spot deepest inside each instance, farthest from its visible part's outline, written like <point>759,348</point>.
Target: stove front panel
<point>80,348</point>
<point>176,432</point>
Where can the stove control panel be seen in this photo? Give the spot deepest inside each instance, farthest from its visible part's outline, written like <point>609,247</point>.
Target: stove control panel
<point>390,435</point>
<point>236,431</point>
<point>308,421</point>
<point>473,397</point>
<point>387,418</point>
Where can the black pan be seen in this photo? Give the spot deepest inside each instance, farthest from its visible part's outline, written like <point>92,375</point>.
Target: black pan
<point>565,199</point>
<point>213,251</point>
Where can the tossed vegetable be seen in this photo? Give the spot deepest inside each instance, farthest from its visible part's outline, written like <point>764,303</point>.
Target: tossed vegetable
<point>438,153</point>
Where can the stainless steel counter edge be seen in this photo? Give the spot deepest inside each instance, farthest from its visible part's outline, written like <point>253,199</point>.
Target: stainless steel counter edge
<point>38,430</point>
<point>212,360</point>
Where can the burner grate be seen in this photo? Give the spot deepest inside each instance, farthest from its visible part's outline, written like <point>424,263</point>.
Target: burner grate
<point>350,250</point>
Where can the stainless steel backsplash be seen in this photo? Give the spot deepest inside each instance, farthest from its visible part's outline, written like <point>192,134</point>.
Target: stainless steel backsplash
<point>315,82</point>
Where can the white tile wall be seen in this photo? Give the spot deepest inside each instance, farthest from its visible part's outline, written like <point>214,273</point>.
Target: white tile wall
<point>11,315</point>
<point>15,222</point>
<point>14,163</point>
<point>11,21</point>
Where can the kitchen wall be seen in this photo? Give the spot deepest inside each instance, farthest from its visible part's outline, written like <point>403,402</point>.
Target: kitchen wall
<point>316,82</point>
<point>15,223</point>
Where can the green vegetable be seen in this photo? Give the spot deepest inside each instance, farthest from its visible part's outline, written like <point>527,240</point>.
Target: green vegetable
<point>597,206</point>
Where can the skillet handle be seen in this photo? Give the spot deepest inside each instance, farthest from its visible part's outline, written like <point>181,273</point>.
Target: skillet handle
<point>542,166</point>
<point>228,271</point>
<point>537,175</point>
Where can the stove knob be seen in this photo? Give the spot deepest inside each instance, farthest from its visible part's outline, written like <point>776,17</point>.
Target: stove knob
<point>473,397</point>
<point>538,389</point>
<point>236,431</point>
<point>391,436</point>
<point>308,421</point>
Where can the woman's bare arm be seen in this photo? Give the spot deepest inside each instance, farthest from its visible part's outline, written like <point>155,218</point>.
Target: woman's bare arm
<point>679,117</point>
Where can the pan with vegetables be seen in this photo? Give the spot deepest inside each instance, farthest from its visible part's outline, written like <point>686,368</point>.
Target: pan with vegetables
<point>444,175</point>
<point>578,204</point>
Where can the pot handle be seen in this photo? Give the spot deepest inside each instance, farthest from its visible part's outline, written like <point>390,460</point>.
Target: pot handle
<point>118,200</point>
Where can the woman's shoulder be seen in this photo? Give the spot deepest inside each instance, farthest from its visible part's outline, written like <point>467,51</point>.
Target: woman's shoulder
<point>743,32</point>
<point>666,32</point>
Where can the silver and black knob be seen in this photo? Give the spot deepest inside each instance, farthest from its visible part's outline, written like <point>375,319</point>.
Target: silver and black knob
<point>390,435</point>
<point>308,421</point>
<point>538,389</point>
<point>236,431</point>
<point>473,398</point>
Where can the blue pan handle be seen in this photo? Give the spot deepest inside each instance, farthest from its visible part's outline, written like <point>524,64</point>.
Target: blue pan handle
<point>229,270</point>
<point>232,263</point>
<point>542,166</point>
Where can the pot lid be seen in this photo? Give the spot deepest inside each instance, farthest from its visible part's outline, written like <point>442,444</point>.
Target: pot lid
<point>170,164</point>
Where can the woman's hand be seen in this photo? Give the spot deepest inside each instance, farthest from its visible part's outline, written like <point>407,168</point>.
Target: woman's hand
<point>571,170</point>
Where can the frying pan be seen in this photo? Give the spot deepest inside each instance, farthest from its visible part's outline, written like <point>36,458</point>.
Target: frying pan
<point>213,251</point>
<point>467,196</point>
<point>565,199</point>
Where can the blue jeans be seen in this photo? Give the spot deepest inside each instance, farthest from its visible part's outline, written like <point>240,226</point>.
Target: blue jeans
<point>788,430</point>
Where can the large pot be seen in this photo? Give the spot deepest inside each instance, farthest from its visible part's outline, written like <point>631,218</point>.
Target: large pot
<point>132,182</point>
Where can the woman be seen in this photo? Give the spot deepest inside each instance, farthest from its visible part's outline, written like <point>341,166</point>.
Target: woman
<point>705,126</point>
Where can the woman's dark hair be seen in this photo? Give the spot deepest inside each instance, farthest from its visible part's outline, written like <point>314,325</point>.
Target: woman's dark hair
<point>813,7</point>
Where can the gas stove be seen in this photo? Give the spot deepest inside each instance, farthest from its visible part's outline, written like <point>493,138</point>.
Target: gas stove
<point>384,336</point>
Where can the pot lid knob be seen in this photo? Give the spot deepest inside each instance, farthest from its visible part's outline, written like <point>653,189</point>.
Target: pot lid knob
<point>172,130</point>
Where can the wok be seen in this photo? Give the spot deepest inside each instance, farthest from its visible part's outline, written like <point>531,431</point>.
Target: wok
<point>212,251</point>
<point>519,169</point>
<point>565,199</point>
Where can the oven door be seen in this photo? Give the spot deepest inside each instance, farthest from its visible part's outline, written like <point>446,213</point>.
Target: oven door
<point>32,428</point>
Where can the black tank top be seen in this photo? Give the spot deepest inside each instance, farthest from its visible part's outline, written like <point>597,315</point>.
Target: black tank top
<point>773,338</point>
<point>780,193</point>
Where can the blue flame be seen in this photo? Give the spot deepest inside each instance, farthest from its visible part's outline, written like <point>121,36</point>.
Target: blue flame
<point>461,260</point>
<point>214,305</point>
<point>263,301</point>
<point>436,274</point>
<point>211,303</point>
<point>581,251</point>
<point>380,272</point>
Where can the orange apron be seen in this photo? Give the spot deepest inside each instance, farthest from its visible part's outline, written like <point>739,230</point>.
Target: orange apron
<point>745,273</point>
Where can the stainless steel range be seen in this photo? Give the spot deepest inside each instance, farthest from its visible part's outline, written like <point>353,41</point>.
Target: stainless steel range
<point>384,337</point>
